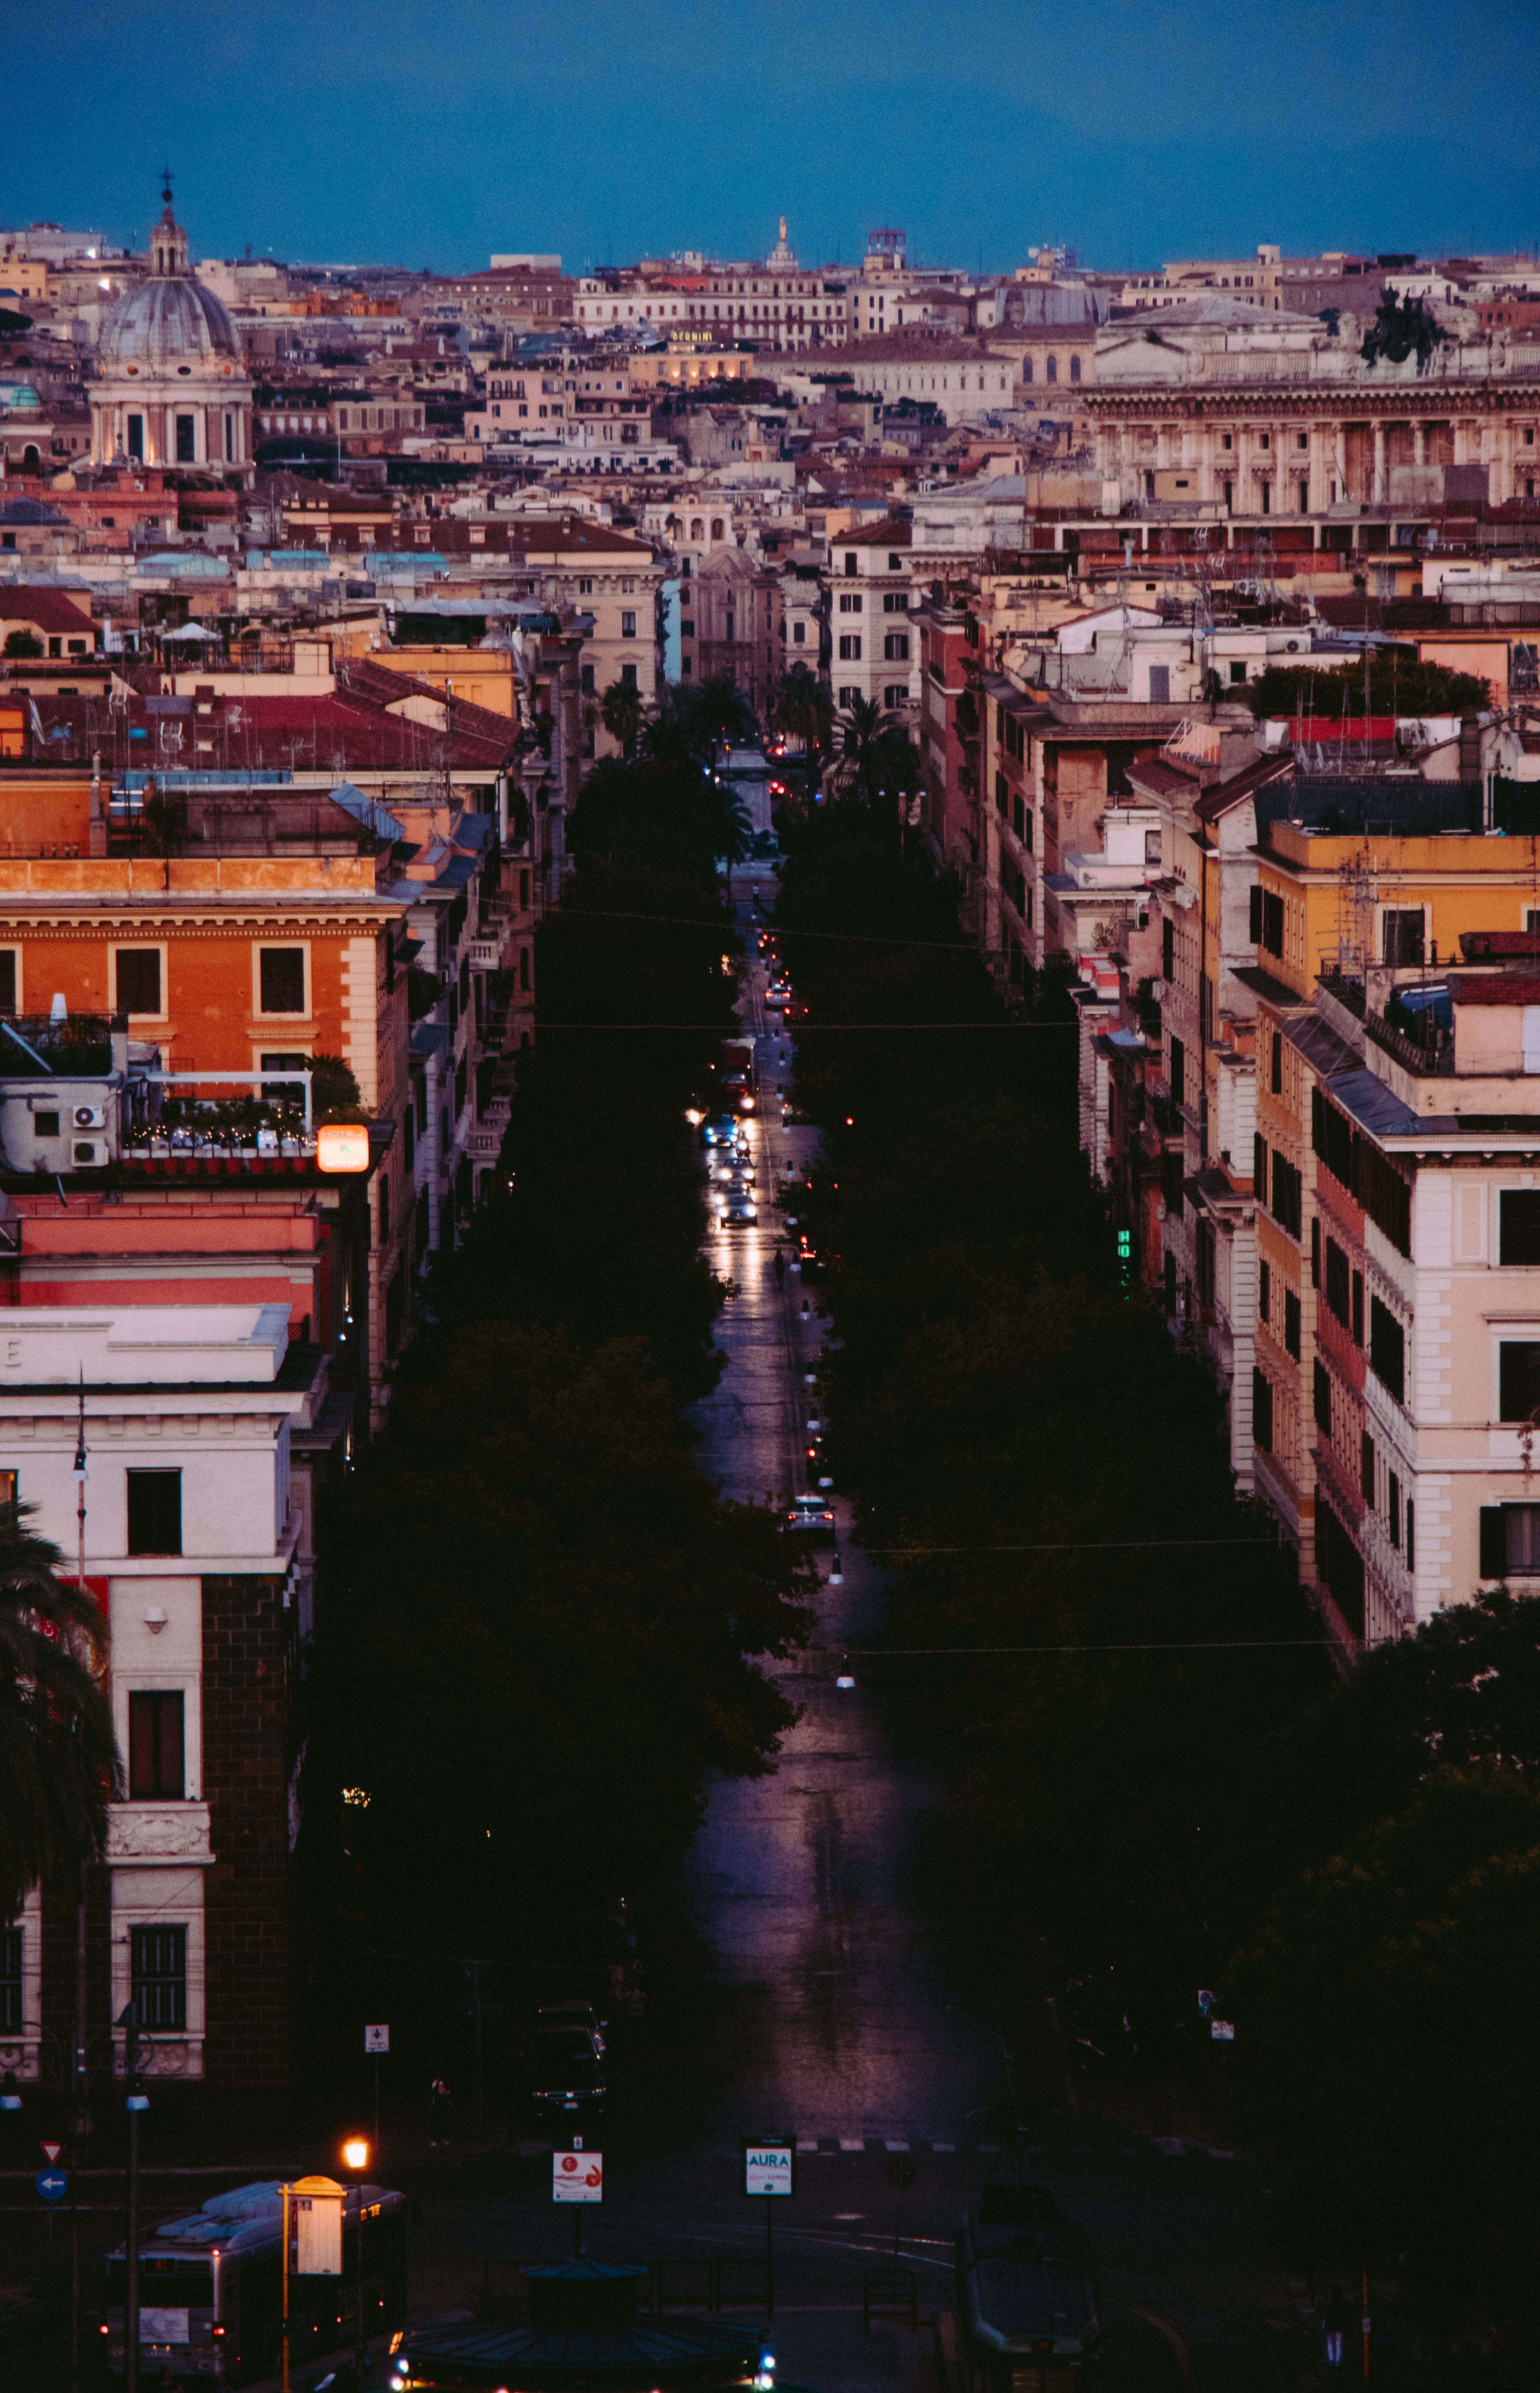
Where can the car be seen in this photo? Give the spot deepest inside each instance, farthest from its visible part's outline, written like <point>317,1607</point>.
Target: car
<point>810,1517</point>
<point>567,2076</point>
<point>572,2014</point>
<point>719,1129</point>
<point>734,1205</point>
<point>1027,2295</point>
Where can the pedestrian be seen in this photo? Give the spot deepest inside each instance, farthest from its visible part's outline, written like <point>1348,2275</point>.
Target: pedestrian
<point>1336,2319</point>
<point>780,1268</point>
<point>440,2103</point>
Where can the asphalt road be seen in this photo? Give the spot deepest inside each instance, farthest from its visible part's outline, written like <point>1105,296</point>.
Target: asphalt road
<point>807,1976</point>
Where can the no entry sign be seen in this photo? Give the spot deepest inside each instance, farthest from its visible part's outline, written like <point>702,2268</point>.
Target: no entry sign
<point>577,2177</point>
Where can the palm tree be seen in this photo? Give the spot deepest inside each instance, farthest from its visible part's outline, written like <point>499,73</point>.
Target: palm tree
<point>59,1755</point>
<point>863,727</point>
<point>805,708</point>
<point>622,711</point>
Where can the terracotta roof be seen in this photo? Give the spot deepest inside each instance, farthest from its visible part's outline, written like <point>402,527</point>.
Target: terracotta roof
<point>890,532</point>
<point>50,609</point>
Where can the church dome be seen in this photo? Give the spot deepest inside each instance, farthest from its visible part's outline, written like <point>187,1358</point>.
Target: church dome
<point>168,321</point>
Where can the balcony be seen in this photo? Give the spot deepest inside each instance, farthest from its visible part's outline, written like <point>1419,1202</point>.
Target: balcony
<point>151,1833</point>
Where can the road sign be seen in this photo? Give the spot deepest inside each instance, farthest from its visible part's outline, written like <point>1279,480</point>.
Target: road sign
<point>376,2039</point>
<point>53,2185</point>
<point>770,2165</point>
<point>1221,2031</point>
<point>50,2152</point>
<point>577,2177</point>
<point>901,2173</point>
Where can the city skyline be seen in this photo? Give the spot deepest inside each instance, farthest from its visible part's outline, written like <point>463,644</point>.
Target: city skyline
<point>443,145</point>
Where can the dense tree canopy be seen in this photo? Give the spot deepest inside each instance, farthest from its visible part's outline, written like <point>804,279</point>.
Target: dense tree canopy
<point>59,1755</point>
<point>1399,685</point>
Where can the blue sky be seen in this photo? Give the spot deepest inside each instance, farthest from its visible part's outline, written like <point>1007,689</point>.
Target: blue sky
<point>432,132</point>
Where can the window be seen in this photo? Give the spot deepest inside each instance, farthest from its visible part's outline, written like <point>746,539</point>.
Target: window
<point>156,1759</point>
<point>1315,1250</point>
<point>1388,1353</point>
<point>1160,684</point>
<point>1367,1468</point>
<point>1179,1072</point>
<point>1400,935</point>
<point>1203,1258</point>
<point>628,623</point>
<point>7,980</point>
<point>1519,1225</point>
<point>1273,922</point>
<point>1291,1324</point>
<point>896,647</point>
<point>187,440</point>
<point>1053,370</point>
<point>848,693</point>
<point>895,695</point>
<point>850,561</point>
<point>138,975</point>
<point>1356,1325</point>
<point>1411,1534</point>
<point>1340,1566</point>
<point>154,1511</point>
<point>1277,1064</point>
<point>1321,1378</point>
<point>135,438</point>
<point>1337,1297</point>
<point>799,635</point>
<point>1510,1541</point>
<point>1168,949</point>
<point>1262,1412</point>
<point>1518,1379</point>
<point>850,648</point>
<point>280,980</point>
<point>1287,1197</point>
<point>1075,368</point>
<point>10,1979</point>
<point>1392,1507</point>
<point>628,673</point>
<point>1227,440</point>
<point>1264,1292</point>
<point>896,602</point>
<point>158,1972</point>
<point>1021,823</point>
<point>850,602</point>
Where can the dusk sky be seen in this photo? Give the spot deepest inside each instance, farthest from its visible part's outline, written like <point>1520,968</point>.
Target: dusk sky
<point>434,133</point>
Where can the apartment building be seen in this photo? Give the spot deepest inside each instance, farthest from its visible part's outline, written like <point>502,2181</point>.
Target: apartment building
<point>871,606</point>
<point>231,956</point>
<point>1389,1128</point>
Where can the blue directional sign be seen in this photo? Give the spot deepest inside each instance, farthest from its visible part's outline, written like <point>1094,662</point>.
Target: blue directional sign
<point>52,2184</point>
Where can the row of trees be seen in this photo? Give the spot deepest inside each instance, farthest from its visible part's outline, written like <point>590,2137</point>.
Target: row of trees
<point>537,1624</point>
<point>1156,1764</point>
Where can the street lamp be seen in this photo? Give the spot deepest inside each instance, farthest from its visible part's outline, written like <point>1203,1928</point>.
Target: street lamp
<point>355,2153</point>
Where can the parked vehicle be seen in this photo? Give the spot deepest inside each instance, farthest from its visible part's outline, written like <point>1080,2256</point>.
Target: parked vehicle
<point>566,2074</point>
<point>1025,2296</point>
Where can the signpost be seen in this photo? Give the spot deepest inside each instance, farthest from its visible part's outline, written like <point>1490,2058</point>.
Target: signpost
<point>769,2175</point>
<point>577,2176</point>
<point>377,2040</point>
<point>53,2185</point>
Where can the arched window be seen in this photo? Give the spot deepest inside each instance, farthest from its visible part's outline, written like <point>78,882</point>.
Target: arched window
<point>1053,370</point>
<point>717,527</point>
<point>697,528</point>
<point>1027,369</point>
<point>1075,368</point>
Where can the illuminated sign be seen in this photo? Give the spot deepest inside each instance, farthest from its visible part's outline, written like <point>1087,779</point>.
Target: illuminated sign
<point>343,1146</point>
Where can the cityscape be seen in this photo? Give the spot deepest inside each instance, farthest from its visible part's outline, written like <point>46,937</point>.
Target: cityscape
<point>771,1224</point>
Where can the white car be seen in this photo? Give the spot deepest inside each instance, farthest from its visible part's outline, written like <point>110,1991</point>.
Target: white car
<point>735,1205</point>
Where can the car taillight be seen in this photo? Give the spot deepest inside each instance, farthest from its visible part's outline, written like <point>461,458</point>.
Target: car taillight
<point>219,2330</point>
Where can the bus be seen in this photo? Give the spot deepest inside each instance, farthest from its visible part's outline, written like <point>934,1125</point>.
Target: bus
<point>738,1081</point>
<point>211,2289</point>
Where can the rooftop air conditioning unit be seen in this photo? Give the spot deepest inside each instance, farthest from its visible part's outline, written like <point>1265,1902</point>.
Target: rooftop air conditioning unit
<point>89,1154</point>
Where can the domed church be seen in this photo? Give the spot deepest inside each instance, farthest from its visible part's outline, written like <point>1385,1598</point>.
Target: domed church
<point>171,387</point>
